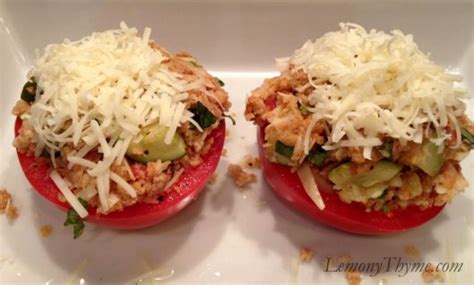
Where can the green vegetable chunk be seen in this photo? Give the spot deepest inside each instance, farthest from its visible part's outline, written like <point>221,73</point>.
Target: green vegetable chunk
<point>361,187</point>
<point>284,150</point>
<point>303,109</point>
<point>428,159</point>
<point>466,135</point>
<point>152,146</point>
<point>202,115</point>
<point>317,156</point>
<point>386,151</point>
<point>28,93</point>
<point>75,220</point>
<point>221,83</point>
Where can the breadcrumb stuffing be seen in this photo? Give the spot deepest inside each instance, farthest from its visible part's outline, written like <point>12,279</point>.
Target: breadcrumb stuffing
<point>412,251</point>
<point>250,161</point>
<point>21,107</point>
<point>306,254</point>
<point>430,274</point>
<point>240,177</point>
<point>353,277</point>
<point>46,230</point>
<point>6,205</point>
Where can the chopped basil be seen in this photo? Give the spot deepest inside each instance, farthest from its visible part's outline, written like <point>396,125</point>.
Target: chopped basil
<point>194,63</point>
<point>230,117</point>
<point>281,148</point>
<point>221,83</point>
<point>382,196</point>
<point>202,115</point>
<point>317,156</point>
<point>386,151</point>
<point>304,111</point>
<point>385,208</point>
<point>28,93</point>
<point>467,136</point>
<point>75,220</point>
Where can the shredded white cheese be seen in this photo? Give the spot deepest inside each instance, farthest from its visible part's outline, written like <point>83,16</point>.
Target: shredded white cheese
<point>307,179</point>
<point>97,93</point>
<point>70,197</point>
<point>369,83</point>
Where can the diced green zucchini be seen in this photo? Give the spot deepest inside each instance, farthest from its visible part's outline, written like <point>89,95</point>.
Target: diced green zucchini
<point>152,146</point>
<point>428,159</point>
<point>361,187</point>
<point>383,171</point>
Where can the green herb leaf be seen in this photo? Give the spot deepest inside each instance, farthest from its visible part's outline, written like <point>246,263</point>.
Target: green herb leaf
<point>28,93</point>
<point>194,63</point>
<point>317,156</point>
<point>304,111</point>
<point>281,148</point>
<point>382,196</point>
<point>465,134</point>
<point>230,117</point>
<point>386,151</point>
<point>385,208</point>
<point>75,220</point>
<point>202,115</point>
<point>221,83</point>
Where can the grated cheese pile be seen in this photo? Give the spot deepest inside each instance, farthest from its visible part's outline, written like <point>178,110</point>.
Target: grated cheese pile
<point>97,93</point>
<point>369,83</point>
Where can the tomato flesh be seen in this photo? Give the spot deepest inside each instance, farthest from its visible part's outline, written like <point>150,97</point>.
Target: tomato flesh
<point>140,215</point>
<point>343,216</point>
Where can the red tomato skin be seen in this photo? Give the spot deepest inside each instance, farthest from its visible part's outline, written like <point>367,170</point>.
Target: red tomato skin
<point>343,216</point>
<point>140,215</point>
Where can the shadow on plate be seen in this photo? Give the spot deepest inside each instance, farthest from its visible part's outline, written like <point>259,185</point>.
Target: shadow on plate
<point>289,226</point>
<point>110,256</point>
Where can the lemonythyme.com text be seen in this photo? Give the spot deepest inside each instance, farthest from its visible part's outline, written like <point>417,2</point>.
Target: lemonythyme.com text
<point>389,264</point>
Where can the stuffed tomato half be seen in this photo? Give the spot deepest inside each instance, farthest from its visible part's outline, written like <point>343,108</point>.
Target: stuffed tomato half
<point>118,130</point>
<point>362,131</point>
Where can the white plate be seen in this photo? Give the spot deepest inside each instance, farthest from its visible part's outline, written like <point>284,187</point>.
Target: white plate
<point>226,236</point>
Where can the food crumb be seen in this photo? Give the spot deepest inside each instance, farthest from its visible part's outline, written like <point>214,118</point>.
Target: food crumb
<point>224,152</point>
<point>412,251</point>
<point>430,274</point>
<point>213,179</point>
<point>306,254</point>
<point>353,277</point>
<point>240,177</point>
<point>45,230</point>
<point>250,161</point>
<point>344,258</point>
<point>6,205</point>
<point>20,108</point>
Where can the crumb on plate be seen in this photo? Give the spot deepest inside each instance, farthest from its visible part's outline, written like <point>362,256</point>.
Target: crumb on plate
<point>6,205</point>
<point>353,277</point>
<point>240,177</point>
<point>412,251</point>
<point>306,254</point>
<point>344,258</point>
<point>213,179</point>
<point>250,161</point>
<point>46,230</point>
<point>430,274</point>
<point>224,152</point>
